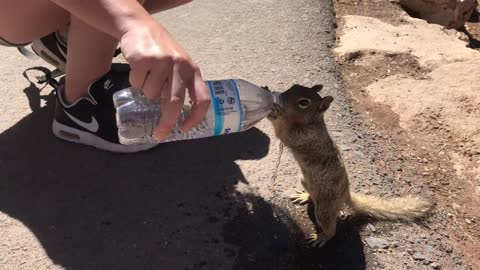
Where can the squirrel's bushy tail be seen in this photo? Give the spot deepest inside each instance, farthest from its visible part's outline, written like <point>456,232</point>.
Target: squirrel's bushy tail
<point>404,208</point>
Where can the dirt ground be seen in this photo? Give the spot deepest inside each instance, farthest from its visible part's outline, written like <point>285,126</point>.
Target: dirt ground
<point>217,203</point>
<point>435,129</point>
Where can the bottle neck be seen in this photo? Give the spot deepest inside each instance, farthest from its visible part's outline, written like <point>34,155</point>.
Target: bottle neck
<point>277,98</point>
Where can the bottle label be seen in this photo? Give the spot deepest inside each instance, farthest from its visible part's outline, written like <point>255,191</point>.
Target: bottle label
<point>227,107</point>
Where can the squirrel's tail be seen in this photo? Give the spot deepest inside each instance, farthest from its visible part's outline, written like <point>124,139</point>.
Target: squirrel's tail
<point>404,208</point>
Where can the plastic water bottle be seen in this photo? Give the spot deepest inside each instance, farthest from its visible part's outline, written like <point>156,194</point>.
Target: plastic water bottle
<point>236,106</point>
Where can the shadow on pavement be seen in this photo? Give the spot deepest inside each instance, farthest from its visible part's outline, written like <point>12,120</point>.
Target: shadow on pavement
<point>173,207</point>
<point>269,238</point>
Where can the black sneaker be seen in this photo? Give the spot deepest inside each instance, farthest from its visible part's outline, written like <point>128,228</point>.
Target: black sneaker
<point>53,49</point>
<point>91,119</point>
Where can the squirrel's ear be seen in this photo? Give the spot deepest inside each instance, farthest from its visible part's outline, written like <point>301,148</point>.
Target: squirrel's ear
<point>317,87</point>
<point>325,103</point>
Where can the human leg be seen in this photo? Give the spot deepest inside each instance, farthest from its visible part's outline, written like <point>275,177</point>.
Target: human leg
<point>90,51</point>
<point>88,120</point>
<point>89,57</point>
<point>20,25</point>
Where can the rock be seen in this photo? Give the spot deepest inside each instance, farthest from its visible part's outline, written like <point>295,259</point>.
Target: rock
<point>430,249</point>
<point>377,243</point>
<point>395,244</point>
<point>427,261</point>
<point>419,256</point>
<point>359,154</point>
<point>345,147</point>
<point>456,206</point>
<point>371,227</point>
<point>450,13</point>
<point>435,265</point>
<point>462,36</point>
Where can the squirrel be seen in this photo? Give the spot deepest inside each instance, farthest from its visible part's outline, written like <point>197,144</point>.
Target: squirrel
<point>299,124</point>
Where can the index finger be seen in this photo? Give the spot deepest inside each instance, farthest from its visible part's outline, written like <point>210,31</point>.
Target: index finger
<point>200,97</point>
<point>173,97</point>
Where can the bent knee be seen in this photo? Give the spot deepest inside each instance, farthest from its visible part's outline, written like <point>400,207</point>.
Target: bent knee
<point>6,43</point>
<point>20,25</point>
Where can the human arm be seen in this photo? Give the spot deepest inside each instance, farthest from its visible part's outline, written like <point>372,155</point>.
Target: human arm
<point>159,65</point>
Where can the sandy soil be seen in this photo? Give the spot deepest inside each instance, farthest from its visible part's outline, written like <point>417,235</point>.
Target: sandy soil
<point>419,83</point>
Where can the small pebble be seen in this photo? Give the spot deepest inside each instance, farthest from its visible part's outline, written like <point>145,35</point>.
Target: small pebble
<point>430,249</point>
<point>377,243</point>
<point>456,206</point>
<point>435,265</point>
<point>345,147</point>
<point>371,227</point>
<point>419,256</point>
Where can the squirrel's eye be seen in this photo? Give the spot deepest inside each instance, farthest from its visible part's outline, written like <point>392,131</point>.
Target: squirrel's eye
<point>303,103</point>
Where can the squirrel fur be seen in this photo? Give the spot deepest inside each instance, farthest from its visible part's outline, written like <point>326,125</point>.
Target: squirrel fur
<point>299,124</point>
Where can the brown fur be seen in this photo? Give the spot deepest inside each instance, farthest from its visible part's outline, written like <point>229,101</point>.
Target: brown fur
<point>299,124</point>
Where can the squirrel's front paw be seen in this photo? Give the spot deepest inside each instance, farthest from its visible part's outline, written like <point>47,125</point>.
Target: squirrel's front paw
<point>300,197</point>
<point>275,113</point>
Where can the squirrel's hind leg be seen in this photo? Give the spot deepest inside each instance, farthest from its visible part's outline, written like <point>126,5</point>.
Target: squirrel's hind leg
<point>326,218</point>
<point>316,240</point>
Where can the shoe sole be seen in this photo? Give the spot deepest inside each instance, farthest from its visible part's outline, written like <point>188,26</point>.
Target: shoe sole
<point>50,58</point>
<point>76,136</point>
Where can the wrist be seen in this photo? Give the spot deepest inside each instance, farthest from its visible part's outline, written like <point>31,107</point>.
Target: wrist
<point>143,24</point>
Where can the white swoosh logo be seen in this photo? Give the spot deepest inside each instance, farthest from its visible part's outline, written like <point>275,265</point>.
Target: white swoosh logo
<point>61,50</point>
<point>92,126</point>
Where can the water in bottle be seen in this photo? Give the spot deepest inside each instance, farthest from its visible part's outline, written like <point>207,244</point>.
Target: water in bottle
<point>236,105</point>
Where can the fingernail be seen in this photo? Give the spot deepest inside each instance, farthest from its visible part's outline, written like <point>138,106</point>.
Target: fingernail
<point>158,137</point>
<point>183,129</point>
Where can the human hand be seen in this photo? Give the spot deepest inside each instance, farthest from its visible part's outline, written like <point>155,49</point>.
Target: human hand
<point>162,68</point>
